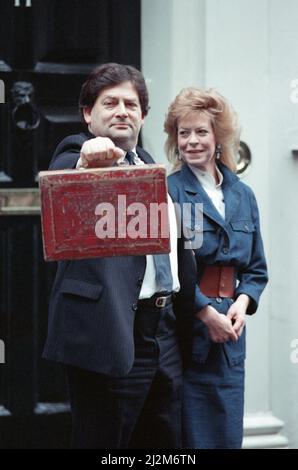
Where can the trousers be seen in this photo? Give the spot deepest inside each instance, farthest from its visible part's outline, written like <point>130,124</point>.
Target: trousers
<point>141,409</point>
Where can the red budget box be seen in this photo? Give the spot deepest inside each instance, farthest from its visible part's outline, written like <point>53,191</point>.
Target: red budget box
<point>104,212</point>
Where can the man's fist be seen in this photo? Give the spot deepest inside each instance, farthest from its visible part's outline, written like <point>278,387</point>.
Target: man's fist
<point>99,152</point>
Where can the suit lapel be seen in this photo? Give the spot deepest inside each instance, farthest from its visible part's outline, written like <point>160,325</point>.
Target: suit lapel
<point>232,196</point>
<point>143,155</point>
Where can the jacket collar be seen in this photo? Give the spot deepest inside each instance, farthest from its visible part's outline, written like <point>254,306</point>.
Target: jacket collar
<point>144,155</point>
<point>231,195</point>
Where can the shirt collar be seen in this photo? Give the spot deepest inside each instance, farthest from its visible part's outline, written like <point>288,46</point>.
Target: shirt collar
<point>206,179</point>
<point>122,160</point>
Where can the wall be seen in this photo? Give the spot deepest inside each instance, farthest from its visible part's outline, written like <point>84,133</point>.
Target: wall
<point>247,49</point>
<point>171,59</point>
<point>283,213</point>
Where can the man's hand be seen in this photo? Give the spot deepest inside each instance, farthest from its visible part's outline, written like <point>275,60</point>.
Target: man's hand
<point>219,325</point>
<point>99,152</point>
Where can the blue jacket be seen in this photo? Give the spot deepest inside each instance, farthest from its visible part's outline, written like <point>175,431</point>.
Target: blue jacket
<point>234,241</point>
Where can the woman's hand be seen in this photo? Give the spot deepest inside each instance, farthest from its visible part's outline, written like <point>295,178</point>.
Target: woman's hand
<point>237,313</point>
<point>219,326</point>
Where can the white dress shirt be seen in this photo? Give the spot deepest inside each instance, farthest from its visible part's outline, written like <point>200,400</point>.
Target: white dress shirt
<point>212,188</point>
<point>149,286</point>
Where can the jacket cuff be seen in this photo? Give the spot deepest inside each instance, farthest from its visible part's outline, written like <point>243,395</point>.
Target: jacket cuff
<point>201,300</point>
<point>254,299</point>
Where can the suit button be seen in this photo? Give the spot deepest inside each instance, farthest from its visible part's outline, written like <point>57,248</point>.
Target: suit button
<point>134,306</point>
<point>218,300</point>
<point>140,282</point>
<point>246,227</point>
<point>225,250</point>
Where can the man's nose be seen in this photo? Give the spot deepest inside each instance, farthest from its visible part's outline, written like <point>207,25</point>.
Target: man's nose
<point>121,109</point>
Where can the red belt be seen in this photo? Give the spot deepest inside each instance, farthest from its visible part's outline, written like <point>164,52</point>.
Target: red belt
<point>218,281</point>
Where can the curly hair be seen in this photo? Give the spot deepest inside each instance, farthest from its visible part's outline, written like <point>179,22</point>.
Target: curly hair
<point>224,121</point>
<point>112,74</point>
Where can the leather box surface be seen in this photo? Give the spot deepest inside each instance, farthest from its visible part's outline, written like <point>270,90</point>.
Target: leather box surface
<point>104,212</point>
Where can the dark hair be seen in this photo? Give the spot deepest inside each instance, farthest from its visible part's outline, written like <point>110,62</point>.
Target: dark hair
<point>112,74</point>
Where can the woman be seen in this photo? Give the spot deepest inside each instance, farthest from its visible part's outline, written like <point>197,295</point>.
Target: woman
<point>202,143</point>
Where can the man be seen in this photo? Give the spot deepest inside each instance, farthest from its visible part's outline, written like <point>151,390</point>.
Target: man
<point>111,320</point>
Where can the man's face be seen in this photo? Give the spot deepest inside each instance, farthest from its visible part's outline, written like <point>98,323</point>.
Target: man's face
<point>116,114</point>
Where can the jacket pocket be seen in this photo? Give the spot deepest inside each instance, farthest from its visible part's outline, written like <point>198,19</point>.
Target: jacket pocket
<point>235,350</point>
<point>204,226</point>
<point>246,226</point>
<point>81,288</point>
<point>194,234</point>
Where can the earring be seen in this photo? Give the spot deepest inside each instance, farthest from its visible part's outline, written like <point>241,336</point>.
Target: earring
<point>218,151</point>
<point>178,155</point>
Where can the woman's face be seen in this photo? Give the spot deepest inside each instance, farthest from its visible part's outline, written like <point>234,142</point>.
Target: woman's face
<point>196,141</point>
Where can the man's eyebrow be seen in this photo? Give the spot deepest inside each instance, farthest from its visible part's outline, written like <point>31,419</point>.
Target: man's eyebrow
<point>115,97</point>
<point>111,97</point>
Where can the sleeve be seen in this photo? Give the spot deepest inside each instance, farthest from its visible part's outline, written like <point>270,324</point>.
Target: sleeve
<point>201,300</point>
<point>254,277</point>
<point>67,153</point>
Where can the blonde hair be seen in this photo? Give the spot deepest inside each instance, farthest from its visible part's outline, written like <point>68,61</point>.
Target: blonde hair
<point>224,121</point>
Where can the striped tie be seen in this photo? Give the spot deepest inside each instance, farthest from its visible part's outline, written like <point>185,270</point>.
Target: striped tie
<point>130,157</point>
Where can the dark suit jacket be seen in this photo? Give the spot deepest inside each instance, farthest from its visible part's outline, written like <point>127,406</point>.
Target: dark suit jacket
<point>93,302</point>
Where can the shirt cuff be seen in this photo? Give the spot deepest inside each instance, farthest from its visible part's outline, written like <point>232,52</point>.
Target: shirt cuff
<point>79,164</point>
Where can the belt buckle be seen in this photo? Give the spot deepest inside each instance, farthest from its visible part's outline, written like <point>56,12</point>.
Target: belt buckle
<point>161,302</point>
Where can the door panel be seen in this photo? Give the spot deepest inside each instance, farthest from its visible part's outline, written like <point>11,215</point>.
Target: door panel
<point>46,50</point>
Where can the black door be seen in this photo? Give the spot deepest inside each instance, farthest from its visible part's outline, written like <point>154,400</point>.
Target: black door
<point>46,49</point>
